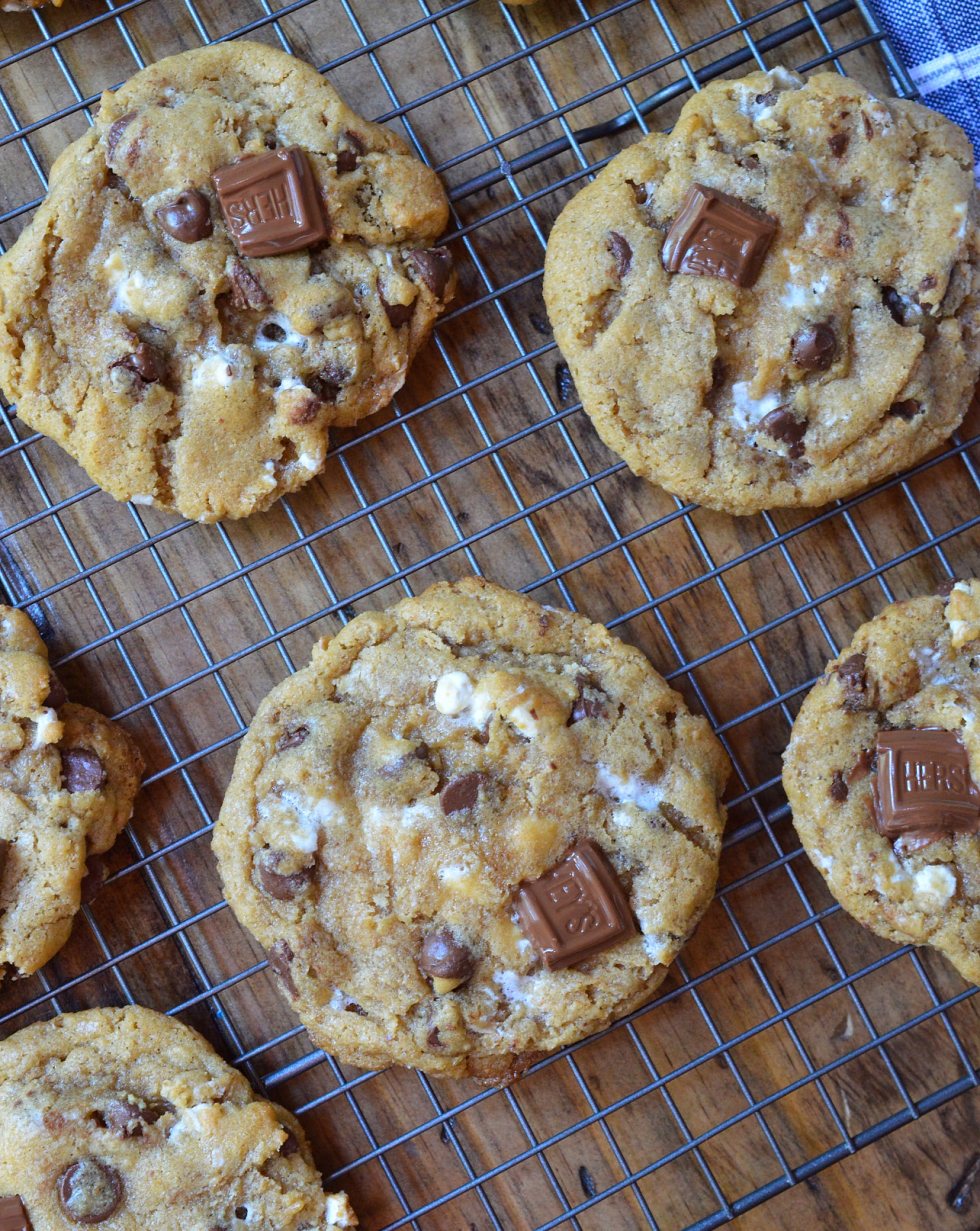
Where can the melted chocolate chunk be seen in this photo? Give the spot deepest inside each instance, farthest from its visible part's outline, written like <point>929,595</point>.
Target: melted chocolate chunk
<point>125,1118</point>
<point>867,763</point>
<point>442,956</point>
<point>275,884</point>
<point>852,673</point>
<point>327,383</point>
<point>116,130</point>
<point>718,236</point>
<point>621,253</point>
<point>271,203</point>
<point>246,290</point>
<point>462,793</point>
<point>146,363</point>
<point>814,347</point>
<point>901,308</point>
<point>292,739</point>
<point>82,770</point>
<point>838,144</point>
<point>577,910</point>
<point>641,193</point>
<point>291,1145</point>
<point>907,410</point>
<point>435,266</point>
<point>587,706</point>
<point>13,1216</point>
<point>782,425</point>
<point>838,787</point>
<point>349,153</point>
<point>90,1191</point>
<point>398,313</point>
<point>280,960</point>
<point>187,218</point>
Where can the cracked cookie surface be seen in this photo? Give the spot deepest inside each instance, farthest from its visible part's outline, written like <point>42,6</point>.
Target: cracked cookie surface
<point>68,778</point>
<point>125,1117</point>
<point>915,665</point>
<point>854,353</point>
<point>390,798</point>
<point>175,370</point>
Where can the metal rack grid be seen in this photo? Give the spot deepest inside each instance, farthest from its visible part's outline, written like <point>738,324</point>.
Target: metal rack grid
<point>719,1083</point>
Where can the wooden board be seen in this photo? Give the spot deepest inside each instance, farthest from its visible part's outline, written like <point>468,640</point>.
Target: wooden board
<point>157,622</point>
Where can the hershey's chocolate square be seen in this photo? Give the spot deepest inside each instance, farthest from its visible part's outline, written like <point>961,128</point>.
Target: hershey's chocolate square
<point>924,787</point>
<point>270,203</point>
<point>576,910</point>
<point>13,1216</point>
<point>718,236</point>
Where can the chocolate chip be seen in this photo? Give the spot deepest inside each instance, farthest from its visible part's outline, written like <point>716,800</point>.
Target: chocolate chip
<point>838,787</point>
<point>621,252</point>
<point>146,363</point>
<point>291,1145</point>
<point>443,957</point>
<point>586,707</point>
<point>898,305</point>
<point>928,283</point>
<point>348,154</point>
<point>280,958</point>
<point>305,411</point>
<point>641,192</point>
<point>564,385</point>
<point>272,332</point>
<point>838,143</point>
<point>326,384</point>
<point>283,887</point>
<point>852,673</point>
<point>90,1191</point>
<point>780,424</point>
<point>398,313</point>
<point>814,347</point>
<point>116,130</point>
<point>435,266</point>
<point>125,1118</point>
<point>246,290</point>
<point>869,128</point>
<point>907,410</point>
<point>867,763</point>
<point>82,770</point>
<point>432,1039</point>
<point>187,217</point>
<point>462,793</point>
<point>767,99</point>
<point>292,739</point>
<point>353,1007</point>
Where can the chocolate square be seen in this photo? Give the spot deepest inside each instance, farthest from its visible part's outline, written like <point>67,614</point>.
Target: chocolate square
<point>718,236</point>
<point>576,910</point>
<point>271,203</point>
<point>923,787</point>
<point>13,1216</point>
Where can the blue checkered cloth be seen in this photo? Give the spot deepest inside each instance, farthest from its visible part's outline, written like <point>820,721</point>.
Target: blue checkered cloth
<point>939,43</point>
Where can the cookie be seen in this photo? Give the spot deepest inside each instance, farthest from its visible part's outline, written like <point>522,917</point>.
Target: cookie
<point>882,769</point>
<point>18,6</point>
<point>778,303</point>
<point>126,1117</point>
<point>228,264</point>
<point>471,831</point>
<point>68,778</point>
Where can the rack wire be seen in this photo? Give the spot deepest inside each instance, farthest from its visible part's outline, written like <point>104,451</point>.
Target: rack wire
<point>787,1038</point>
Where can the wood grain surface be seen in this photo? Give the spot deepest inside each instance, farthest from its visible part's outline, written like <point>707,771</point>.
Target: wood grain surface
<point>485,462</point>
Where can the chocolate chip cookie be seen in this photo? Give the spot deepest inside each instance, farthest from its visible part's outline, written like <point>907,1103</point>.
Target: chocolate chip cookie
<point>472,830</point>
<point>229,263</point>
<point>68,778</point>
<point>126,1117</point>
<point>19,6</point>
<point>882,771</point>
<point>778,303</point>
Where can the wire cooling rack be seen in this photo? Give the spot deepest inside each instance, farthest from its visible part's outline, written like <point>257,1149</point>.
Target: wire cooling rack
<point>787,1037</point>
